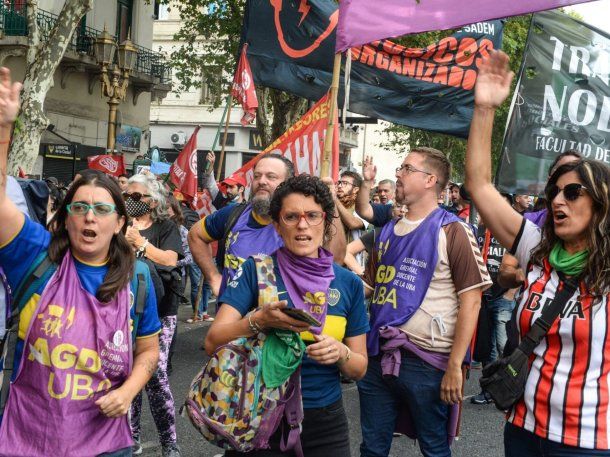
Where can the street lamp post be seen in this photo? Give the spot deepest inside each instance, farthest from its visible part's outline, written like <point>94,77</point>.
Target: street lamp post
<point>114,78</point>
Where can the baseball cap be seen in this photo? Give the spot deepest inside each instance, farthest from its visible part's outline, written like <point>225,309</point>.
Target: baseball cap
<point>235,179</point>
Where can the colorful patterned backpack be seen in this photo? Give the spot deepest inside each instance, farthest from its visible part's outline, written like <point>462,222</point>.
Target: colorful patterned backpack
<point>228,401</point>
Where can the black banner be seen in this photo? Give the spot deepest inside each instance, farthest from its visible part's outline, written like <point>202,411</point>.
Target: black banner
<point>562,101</point>
<point>291,48</point>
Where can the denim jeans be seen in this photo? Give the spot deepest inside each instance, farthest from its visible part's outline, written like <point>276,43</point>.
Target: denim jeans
<point>418,388</point>
<point>519,442</point>
<point>195,274</point>
<point>500,311</point>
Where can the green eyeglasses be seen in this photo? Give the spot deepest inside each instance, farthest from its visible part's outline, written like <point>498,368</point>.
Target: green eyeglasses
<point>82,208</point>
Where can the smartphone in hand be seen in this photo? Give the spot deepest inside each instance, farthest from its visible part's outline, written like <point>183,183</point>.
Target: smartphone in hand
<point>301,315</point>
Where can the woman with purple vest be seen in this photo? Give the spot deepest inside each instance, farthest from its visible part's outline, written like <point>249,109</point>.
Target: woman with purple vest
<point>75,368</point>
<point>302,209</point>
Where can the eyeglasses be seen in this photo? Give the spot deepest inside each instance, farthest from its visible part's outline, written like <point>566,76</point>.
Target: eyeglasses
<point>411,169</point>
<point>344,183</point>
<point>82,208</point>
<point>571,191</point>
<point>312,218</point>
<point>135,196</point>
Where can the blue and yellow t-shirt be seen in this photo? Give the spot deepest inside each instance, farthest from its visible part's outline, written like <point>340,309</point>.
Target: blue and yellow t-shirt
<point>346,317</point>
<point>17,256</point>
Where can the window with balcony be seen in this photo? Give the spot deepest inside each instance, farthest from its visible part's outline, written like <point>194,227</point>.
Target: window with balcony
<point>123,19</point>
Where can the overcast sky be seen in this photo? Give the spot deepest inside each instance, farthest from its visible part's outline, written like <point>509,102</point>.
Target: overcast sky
<point>595,13</point>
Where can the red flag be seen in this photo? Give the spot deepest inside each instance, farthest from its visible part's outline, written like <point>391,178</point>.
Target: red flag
<point>243,89</point>
<point>202,203</point>
<point>108,163</point>
<point>183,171</point>
<point>302,143</point>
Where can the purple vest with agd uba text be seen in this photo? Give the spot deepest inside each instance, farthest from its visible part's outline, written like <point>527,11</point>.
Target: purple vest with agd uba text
<point>405,266</point>
<point>244,241</point>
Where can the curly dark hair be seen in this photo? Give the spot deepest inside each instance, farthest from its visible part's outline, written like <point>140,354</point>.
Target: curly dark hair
<point>309,186</point>
<point>595,177</point>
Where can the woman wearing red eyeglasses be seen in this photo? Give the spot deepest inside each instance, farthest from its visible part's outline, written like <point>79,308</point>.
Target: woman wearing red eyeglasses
<point>564,409</point>
<point>302,210</point>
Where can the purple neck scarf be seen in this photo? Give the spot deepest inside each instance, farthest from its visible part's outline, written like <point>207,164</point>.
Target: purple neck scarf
<point>307,281</point>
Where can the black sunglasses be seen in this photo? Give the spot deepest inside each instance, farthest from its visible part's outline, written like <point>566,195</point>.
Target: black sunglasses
<point>135,196</point>
<point>571,191</point>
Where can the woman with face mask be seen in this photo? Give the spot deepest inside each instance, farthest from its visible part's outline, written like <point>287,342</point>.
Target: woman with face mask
<point>154,237</point>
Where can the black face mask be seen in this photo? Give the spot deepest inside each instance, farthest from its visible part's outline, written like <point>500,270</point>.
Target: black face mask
<point>137,208</point>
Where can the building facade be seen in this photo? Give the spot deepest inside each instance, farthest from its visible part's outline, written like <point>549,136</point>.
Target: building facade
<point>77,111</point>
<point>173,120</point>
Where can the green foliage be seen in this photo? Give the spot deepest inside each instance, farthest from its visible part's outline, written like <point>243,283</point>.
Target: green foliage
<point>209,40</point>
<point>400,137</point>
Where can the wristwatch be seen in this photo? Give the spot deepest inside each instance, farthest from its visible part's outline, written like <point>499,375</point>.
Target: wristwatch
<point>142,249</point>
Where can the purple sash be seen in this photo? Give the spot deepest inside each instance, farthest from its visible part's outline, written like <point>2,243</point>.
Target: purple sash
<point>244,241</point>
<point>307,281</point>
<point>404,271</point>
<point>75,351</point>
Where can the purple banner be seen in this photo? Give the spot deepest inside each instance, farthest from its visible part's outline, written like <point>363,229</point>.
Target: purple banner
<point>362,21</point>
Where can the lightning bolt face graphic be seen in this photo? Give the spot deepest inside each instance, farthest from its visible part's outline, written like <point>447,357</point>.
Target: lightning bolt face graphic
<point>304,9</point>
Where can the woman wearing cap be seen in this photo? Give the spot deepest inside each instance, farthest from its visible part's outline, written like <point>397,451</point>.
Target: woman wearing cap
<point>564,407</point>
<point>76,368</point>
<point>302,209</point>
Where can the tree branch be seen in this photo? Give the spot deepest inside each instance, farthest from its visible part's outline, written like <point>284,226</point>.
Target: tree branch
<point>33,31</point>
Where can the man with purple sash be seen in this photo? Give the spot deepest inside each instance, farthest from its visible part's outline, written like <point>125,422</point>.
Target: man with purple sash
<point>243,232</point>
<point>428,283</point>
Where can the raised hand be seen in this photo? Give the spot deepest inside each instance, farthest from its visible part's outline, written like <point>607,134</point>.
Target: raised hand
<point>9,98</point>
<point>493,80</point>
<point>369,170</point>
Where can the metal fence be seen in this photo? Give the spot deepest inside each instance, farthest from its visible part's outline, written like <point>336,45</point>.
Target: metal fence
<point>14,23</point>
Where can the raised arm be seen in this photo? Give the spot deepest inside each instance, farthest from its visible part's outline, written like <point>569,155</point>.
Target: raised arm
<point>492,88</point>
<point>11,219</point>
<point>363,204</point>
<point>199,243</point>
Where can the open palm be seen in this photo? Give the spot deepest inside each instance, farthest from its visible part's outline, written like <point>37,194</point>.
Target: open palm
<point>9,97</point>
<point>493,80</point>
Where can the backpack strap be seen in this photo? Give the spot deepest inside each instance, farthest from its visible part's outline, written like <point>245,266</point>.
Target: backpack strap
<point>40,271</point>
<point>140,295</point>
<point>266,279</point>
<point>293,411</point>
<point>235,213</point>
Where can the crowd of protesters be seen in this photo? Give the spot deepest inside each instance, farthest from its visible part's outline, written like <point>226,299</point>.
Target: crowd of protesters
<point>97,277</point>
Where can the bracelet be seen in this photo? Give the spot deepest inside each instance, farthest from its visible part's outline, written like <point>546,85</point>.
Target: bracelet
<point>348,356</point>
<point>254,327</point>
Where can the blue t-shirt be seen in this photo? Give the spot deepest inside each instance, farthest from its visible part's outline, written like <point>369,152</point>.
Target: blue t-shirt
<point>17,256</point>
<point>382,214</point>
<point>214,225</point>
<point>346,317</point>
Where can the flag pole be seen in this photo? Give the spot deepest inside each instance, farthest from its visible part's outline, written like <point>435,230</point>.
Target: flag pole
<point>218,130</point>
<point>224,137</point>
<point>328,139</point>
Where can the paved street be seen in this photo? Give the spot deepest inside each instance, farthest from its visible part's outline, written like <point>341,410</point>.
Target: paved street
<point>481,425</point>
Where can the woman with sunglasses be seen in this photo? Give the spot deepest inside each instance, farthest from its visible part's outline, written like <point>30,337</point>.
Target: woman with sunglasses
<point>76,368</point>
<point>565,404</point>
<point>302,209</point>
<point>155,237</point>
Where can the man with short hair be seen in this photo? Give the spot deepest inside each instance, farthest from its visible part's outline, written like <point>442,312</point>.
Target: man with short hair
<point>347,189</point>
<point>428,285</point>
<point>386,189</point>
<point>249,226</point>
<point>521,203</point>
